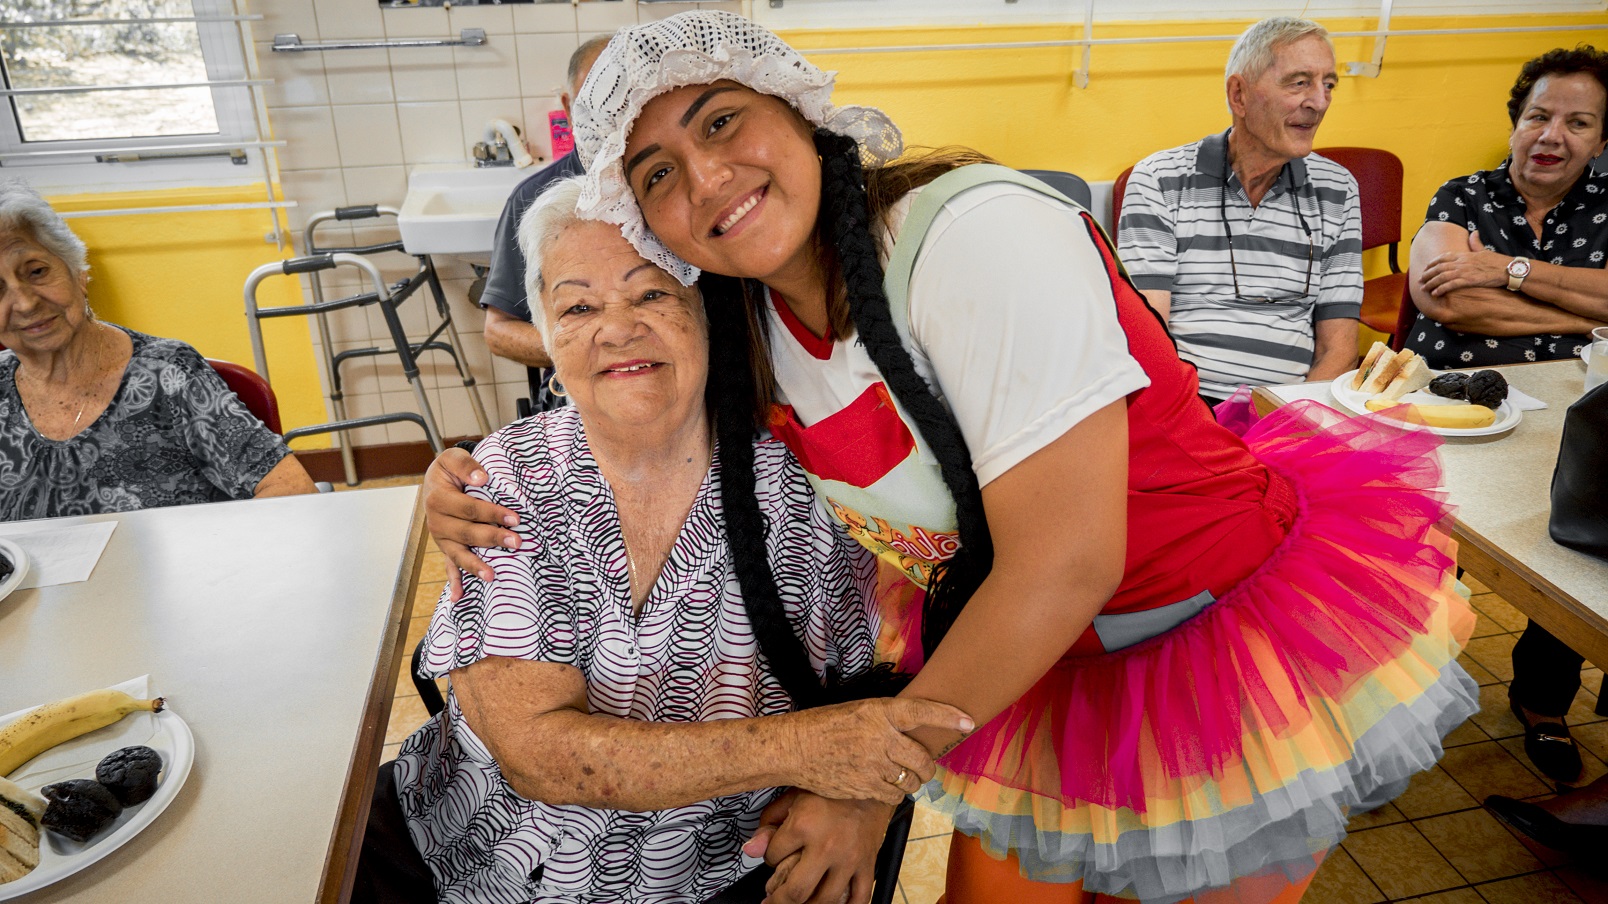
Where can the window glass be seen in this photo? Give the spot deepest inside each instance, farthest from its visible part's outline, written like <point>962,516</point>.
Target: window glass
<point>138,53</point>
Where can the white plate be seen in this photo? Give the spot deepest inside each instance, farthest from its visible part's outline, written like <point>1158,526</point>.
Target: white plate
<point>164,732</point>
<point>19,566</point>
<point>1507,416</point>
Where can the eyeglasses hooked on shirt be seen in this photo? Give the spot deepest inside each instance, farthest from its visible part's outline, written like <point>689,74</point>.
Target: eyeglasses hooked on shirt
<point>1228,231</point>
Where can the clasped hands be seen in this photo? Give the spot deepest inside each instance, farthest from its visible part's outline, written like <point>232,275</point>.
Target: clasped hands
<point>1478,267</point>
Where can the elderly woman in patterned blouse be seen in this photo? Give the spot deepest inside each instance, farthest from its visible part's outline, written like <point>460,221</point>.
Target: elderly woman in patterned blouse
<point>624,685</point>
<point>98,418</point>
<point>1508,266</point>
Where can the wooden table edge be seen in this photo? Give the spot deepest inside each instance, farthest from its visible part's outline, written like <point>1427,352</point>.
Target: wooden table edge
<point>340,861</point>
<point>1512,580</point>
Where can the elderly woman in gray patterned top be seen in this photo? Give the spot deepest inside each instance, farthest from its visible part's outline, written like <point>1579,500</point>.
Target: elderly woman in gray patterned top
<point>99,418</point>
<point>624,684</point>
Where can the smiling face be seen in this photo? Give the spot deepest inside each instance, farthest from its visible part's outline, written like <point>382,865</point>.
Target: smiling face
<point>1279,111</point>
<point>630,344</point>
<point>728,179</point>
<point>1560,130</point>
<point>42,302</point>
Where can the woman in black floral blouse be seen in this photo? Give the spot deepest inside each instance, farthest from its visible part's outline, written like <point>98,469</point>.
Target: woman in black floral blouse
<point>98,418</point>
<point>1508,266</point>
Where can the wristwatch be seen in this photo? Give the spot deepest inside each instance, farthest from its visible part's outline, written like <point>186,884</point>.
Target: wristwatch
<point>1517,270</point>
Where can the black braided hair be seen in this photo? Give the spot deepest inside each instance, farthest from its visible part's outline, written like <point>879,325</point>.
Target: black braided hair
<point>731,396</point>
<point>845,227</point>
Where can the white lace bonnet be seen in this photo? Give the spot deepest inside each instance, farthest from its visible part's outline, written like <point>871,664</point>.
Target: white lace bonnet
<point>697,48</point>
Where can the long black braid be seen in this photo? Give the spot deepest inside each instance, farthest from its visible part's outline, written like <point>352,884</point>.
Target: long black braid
<point>846,228</point>
<point>731,394</point>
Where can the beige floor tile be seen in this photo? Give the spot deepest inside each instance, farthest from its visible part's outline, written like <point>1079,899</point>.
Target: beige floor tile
<point>426,597</point>
<point>404,680</point>
<point>929,823</point>
<point>1495,653</point>
<point>1532,889</point>
<point>417,628</point>
<point>1341,881</point>
<point>1373,819</point>
<point>1478,672</point>
<point>1455,896</point>
<point>921,877</point>
<point>1485,627</point>
<point>407,714</point>
<point>1401,862</point>
<point>1467,733</point>
<point>1592,737</point>
<point>1591,677</point>
<point>1591,889</point>
<point>1473,585</point>
<point>1502,612</point>
<point>434,568</point>
<point>1477,845</point>
<point>1495,716</point>
<point>389,752</point>
<point>1486,769</point>
<point>1584,709</point>
<point>1433,793</point>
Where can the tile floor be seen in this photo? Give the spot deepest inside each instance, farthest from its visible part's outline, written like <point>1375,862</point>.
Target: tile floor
<point>1435,844</point>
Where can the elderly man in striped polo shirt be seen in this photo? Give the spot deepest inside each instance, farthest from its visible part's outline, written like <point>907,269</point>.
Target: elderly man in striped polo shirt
<point>1246,242</point>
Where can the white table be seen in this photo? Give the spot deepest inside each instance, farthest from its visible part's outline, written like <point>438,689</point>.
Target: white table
<point>1501,486</point>
<point>272,626</point>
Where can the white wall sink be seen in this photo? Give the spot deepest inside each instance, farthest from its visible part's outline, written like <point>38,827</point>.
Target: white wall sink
<point>453,208</point>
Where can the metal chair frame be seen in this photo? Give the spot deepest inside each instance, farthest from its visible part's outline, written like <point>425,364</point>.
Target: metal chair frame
<point>321,258</point>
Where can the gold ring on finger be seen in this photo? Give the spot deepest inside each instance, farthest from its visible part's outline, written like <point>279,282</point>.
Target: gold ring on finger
<point>900,780</point>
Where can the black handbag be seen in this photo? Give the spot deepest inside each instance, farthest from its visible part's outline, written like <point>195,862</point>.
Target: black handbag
<point>1580,481</point>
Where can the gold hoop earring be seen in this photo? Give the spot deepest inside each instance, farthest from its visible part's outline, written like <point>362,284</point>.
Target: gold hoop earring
<point>555,387</point>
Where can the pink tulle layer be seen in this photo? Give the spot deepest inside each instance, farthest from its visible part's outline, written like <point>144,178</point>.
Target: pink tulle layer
<point>1350,590</point>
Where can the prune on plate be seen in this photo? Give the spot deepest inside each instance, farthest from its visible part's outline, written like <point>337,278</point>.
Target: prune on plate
<point>1486,387</point>
<point>130,774</point>
<point>1451,386</point>
<point>79,808</point>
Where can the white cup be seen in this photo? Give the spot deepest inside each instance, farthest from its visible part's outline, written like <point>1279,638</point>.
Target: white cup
<point>1597,359</point>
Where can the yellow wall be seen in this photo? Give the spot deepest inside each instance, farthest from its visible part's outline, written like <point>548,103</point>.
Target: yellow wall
<point>1439,102</point>
<point>181,275</point>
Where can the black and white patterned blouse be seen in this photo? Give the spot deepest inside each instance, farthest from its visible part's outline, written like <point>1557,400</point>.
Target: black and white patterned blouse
<point>690,656</point>
<point>174,434</point>
<point>1575,234</point>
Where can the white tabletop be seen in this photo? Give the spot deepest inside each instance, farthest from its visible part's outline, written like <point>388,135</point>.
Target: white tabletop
<point>1501,486</point>
<point>264,624</point>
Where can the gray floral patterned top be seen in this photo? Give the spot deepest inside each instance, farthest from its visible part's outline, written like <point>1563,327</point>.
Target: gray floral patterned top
<point>173,434</point>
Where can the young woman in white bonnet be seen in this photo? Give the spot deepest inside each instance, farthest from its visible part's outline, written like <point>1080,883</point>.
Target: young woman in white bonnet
<point>1196,653</point>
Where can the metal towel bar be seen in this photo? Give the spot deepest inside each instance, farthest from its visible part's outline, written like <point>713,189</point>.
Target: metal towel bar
<point>292,43</point>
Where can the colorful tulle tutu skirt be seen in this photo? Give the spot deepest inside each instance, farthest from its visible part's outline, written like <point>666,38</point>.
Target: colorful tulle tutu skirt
<point>1241,742</point>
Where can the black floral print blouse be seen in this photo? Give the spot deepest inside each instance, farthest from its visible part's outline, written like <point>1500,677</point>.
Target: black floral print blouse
<point>1575,234</point>
<point>173,434</point>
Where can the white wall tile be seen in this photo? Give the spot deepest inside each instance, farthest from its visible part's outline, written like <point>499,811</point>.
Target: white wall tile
<point>476,113</point>
<point>488,71</point>
<point>496,20</point>
<point>536,110</point>
<point>368,134</point>
<point>356,19</point>
<point>457,413</point>
<point>730,6</point>
<point>348,326</point>
<point>285,17</point>
<point>544,63</point>
<point>504,370</point>
<point>298,78</point>
<point>376,185</point>
<point>423,73</point>
<point>605,15</point>
<point>312,190</point>
<point>357,374</point>
<point>309,136</point>
<point>404,401</point>
<point>651,12</point>
<point>508,396</point>
<point>424,140</point>
<point>544,17</point>
<point>358,76</point>
<point>417,22</point>
<point>367,405</point>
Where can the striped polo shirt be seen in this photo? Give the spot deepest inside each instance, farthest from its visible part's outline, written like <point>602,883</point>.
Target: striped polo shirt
<point>1173,237</point>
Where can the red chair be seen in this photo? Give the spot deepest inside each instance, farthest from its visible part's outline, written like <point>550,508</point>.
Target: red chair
<point>1117,188</point>
<point>1404,317</point>
<point>1385,304</point>
<point>253,390</point>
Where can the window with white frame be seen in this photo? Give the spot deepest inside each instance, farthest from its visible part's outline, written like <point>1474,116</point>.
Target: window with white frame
<point>106,94</point>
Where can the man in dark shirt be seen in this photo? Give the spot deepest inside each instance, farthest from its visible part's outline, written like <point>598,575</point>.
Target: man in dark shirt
<point>509,331</point>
